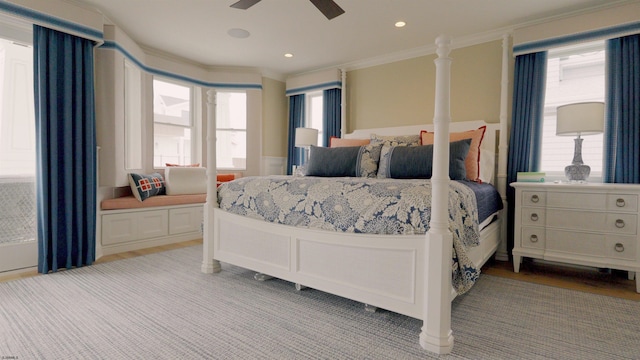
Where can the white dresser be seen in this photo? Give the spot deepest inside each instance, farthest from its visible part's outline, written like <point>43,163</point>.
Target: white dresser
<point>587,224</point>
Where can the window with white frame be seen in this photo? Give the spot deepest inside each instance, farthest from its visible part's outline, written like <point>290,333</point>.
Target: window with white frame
<point>314,113</point>
<point>173,123</point>
<point>231,130</point>
<point>574,74</point>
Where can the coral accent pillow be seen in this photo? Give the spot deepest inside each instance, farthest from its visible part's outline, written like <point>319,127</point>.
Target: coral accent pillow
<point>178,165</point>
<point>338,142</point>
<point>472,162</point>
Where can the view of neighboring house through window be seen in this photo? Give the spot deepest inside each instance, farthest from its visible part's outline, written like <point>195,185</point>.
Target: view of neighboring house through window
<point>314,114</point>
<point>17,157</point>
<point>173,124</point>
<point>231,130</point>
<point>574,74</point>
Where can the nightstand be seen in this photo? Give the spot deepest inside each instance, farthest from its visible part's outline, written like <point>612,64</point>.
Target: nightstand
<point>588,224</point>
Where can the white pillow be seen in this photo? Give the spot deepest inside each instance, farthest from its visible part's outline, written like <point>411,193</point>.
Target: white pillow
<point>185,180</point>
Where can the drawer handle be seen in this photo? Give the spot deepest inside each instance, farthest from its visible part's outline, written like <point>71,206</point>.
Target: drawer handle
<point>533,238</point>
<point>620,202</point>
<point>619,223</point>
<point>534,198</point>
<point>534,217</point>
<point>619,247</point>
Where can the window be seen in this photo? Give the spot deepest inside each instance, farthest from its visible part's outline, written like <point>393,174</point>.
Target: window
<point>173,123</point>
<point>313,117</point>
<point>17,118</point>
<point>574,74</point>
<point>231,131</point>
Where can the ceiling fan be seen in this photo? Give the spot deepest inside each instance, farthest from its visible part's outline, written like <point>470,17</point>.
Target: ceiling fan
<point>328,7</point>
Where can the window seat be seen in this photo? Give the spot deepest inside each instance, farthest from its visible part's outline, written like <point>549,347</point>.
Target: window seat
<point>130,202</point>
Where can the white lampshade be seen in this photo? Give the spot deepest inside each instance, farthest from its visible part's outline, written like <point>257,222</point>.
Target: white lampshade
<point>306,137</point>
<point>585,118</point>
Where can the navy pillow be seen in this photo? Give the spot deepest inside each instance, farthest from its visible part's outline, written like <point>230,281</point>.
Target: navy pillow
<point>145,186</point>
<point>416,162</point>
<point>333,162</point>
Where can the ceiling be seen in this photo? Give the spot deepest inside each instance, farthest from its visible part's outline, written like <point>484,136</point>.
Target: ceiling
<point>197,30</point>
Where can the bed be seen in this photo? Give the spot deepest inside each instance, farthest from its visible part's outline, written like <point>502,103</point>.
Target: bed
<point>409,271</point>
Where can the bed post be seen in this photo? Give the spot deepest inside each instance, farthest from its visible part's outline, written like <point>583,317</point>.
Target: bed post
<point>503,148</point>
<point>436,335</point>
<point>209,265</point>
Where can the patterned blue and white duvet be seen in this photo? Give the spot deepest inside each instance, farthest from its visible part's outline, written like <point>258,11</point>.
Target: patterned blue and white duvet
<point>359,205</point>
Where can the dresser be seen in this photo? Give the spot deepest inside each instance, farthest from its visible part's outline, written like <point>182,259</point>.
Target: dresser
<point>588,224</point>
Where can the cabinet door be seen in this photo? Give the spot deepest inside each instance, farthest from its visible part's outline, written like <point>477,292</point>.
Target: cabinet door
<point>119,228</point>
<point>185,220</point>
<point>153,224</point>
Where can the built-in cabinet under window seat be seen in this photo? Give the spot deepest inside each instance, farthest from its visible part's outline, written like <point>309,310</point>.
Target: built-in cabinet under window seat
<point>129,224</point>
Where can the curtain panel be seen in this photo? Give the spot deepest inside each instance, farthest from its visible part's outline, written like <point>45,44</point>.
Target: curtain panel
<point>622,123</point>
<point>295,155</point>
<point>65,149</point>
<point>332,120</point>
<point>527,119</point>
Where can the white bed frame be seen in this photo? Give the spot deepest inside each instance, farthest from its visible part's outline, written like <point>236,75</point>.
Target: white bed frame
<point>409,275</point>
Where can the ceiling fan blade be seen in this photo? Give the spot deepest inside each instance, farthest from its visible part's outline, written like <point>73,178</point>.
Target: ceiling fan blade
<point>244,4</point>
<point>328,7</point>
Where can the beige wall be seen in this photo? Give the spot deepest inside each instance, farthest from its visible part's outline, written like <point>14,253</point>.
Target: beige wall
<point>402,93</point>
<point>274,118</point>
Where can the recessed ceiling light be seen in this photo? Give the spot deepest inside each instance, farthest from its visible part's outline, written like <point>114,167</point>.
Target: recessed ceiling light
<point>400,24</point>
<point>288,55</point>
<point>238,33</point>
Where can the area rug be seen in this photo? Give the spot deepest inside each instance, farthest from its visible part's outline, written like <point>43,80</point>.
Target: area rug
<point>161,306</point>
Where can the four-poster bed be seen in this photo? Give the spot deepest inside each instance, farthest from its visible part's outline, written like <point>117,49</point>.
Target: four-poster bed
<point>408,274</point>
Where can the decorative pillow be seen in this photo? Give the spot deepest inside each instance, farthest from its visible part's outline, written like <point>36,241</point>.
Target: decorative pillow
<point>178,165</point>
<point>145,186</point>
<point>368,160</point>
<point>472,162</point>
<point>333,162</point>
<point>185,180</point>
<point>416,162</point>
<point>338,142</point>
<point>411,140</point>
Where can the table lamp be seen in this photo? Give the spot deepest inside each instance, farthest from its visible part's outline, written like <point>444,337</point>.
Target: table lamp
<point>579,119</point>
<point>305,137</point>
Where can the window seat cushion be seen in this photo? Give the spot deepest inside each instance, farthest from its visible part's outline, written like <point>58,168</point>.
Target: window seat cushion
<point>130,202</point>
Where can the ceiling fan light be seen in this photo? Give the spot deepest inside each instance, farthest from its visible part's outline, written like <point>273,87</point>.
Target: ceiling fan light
<point>400,24</point>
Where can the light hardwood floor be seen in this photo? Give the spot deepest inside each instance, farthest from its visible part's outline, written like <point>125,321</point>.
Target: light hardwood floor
<point>609,283</point>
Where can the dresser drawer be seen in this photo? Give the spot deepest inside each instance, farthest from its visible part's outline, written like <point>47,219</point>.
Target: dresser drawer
<point>572,242</point>
<point>532,238</point>
<point>533,216</point>
<point>622,202</point>
<point>622,223</point>
<point>577,200</point>
<point>592,221</point>
<point>622,247</point>
<point>534,198</point>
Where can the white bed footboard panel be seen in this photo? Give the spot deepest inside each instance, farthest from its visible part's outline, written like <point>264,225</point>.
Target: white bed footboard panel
<point>379,270</point>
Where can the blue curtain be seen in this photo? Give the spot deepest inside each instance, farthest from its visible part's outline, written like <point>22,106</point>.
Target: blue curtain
<point>65,149</point>
<point>526,124</point>
<point>622,124</point>
<point>295,155</point>
<point>331,123</point>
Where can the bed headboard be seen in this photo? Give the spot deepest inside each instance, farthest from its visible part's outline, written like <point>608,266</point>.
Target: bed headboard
<point>488,148</point>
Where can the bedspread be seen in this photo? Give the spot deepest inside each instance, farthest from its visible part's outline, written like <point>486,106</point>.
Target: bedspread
<point>359,205</point>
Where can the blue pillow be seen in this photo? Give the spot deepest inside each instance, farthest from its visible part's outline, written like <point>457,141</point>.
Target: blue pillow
<point>333,162</point>
<point>145,186</point>
<point>416,162</point>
